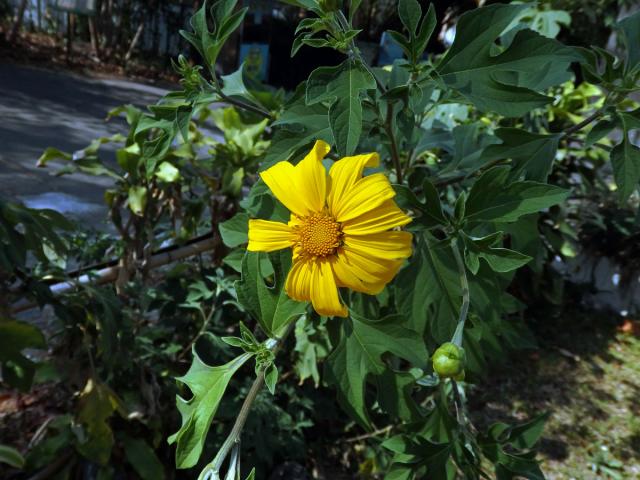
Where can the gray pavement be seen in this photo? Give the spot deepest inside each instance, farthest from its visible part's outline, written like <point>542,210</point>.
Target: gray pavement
<point>42,108</point>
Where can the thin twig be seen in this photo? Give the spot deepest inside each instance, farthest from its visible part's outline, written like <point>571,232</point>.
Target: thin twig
<point>110,274</point>
<point>365,436</point>
<point>245,106</point>
<point>579,126</point>
<point>233,438</point>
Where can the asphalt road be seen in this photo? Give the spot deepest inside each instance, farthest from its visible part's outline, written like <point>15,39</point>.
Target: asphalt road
<point>42,108</point>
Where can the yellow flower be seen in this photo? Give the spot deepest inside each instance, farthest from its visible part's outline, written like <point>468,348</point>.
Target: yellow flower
<point>339,229</point>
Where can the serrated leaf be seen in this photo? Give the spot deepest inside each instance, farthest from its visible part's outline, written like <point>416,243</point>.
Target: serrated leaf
<point>360,353</point>
<point>493,198</point>
<point>207,384</point>
<point>268,305</point>
<point>341,86</point>
<point>506,83</point>
<point>234,232</point>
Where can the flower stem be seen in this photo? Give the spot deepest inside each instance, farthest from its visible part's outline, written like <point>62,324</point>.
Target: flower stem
<point>388,126</point>
<point>212,470</point>
<point>464,285</point>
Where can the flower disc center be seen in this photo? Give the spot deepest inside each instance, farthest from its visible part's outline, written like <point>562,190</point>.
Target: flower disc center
<point>319,234</point>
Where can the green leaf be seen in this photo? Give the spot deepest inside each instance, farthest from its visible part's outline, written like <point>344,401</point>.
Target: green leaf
<point>53,154</point>
<point>625,158</point>
<point>96,405</point>
<point>137,200</point>
<point>298,127</point>
<point>11,457</point>
<point>360,353</point>
<point>599,131</point>
<point>532,153</point>
<point>498,258</point>
<point>429,212</point>
<point>207,384</point>
<point>268,305</point>
<point>394,394</point>
<point>427,26</point>
<point>143,459</point>
<point>410,14</point>
<point>234,232</point>
<point>493,198</point>
<point>526,435</point>
<point>16,336</point>
<point>234,86</point>
<point>167,172</point>
<point>354,5</point>
<point>271,378</point>
<point>428,291</point>
<point>506,83</point>
<point>341,86</point>
<point>630,27</point>
<point>312,346</point>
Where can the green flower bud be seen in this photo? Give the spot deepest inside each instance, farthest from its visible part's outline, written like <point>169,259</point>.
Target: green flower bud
<point>449,361</point>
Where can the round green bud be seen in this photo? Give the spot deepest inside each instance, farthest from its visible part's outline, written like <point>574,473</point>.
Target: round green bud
<point>449,361</point>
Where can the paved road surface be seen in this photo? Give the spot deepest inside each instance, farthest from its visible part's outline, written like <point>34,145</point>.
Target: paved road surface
<point>41,108</point>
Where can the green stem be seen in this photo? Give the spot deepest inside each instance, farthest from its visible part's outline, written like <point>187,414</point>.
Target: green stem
<point>231,101</point>
<point>395,155</point>
<point>464,285</point>
<point>212,470</point>
<point>354,52</point>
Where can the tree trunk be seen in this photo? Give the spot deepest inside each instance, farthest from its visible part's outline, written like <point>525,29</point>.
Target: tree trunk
<point>39,6</point>
<point>93,33</point>
<point>17,23</point>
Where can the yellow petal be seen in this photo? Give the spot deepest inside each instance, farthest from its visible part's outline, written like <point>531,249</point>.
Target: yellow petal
<point>302,189</point>
<point>298,284</point>
<point>267,236</point>
<point>386,245</point>
<point>313,177</point>
<point>345,173</point>
<point>281,180</point>
<point>382,218</point>
<point>364,273</point>
<point>324,291</point>
<point>367,194</point>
